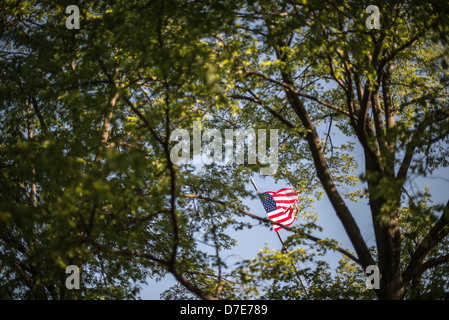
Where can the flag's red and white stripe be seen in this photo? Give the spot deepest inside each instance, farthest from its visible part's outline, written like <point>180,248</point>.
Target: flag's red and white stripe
<point>286,201</point>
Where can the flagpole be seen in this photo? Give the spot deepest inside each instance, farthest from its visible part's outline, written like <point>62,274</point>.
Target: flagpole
<point>255,187</point>
<point>294,266</point>
<point>285,249</point>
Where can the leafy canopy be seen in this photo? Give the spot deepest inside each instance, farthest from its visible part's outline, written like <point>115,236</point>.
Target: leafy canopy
<point>86,117</point>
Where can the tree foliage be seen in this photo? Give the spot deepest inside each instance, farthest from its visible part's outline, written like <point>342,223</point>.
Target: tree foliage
<point>86,117</point>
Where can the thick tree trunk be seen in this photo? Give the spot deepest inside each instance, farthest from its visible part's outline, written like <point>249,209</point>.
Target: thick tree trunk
<point>385,216</point>
<point>327,182</point>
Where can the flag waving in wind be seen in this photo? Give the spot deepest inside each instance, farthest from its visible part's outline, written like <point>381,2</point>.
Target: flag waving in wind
<point>280,206</point>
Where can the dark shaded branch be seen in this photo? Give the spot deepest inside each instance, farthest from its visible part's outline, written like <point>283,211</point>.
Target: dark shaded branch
<point>432,263</point>
<point>417,140</point>
<point>326,180</point>
<point>404,46</point>
<point>429,242</point>
<point>270,110</point>
<point>267,220</point>
<point>289,87</point>
<point>39,114</point>
<point>157,262</point>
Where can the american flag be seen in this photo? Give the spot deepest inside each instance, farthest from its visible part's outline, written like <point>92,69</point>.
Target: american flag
<point>280,206</point>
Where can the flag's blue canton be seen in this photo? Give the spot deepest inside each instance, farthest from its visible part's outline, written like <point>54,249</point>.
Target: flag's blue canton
<point>268,202</point>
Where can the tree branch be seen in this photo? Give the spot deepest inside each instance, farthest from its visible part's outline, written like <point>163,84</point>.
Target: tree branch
<point>433,237</point>
<point>289,87</point>
<point>431,263</point>
<point>270,110</point>
<point>171,268</point>
<point>416,140</point>
<point>267,220</point>
<point>325,178</point>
